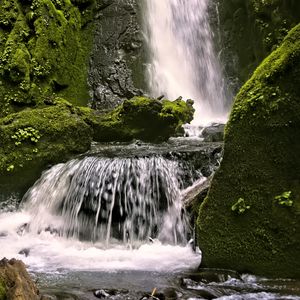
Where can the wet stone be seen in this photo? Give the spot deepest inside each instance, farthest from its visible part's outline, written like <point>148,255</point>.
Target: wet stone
<point>110,293</point>
<point>213,133</point>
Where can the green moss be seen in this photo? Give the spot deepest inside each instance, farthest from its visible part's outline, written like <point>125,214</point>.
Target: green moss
<point>2,291</point>
<point>33,138</point>
<point>143,118</point>
<point>44,49</point>
<point>251,30</point>
<point>261,160</point>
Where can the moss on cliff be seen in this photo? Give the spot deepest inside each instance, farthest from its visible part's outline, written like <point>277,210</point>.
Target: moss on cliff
<point>261,165</point>
<point>44,48</point>
<point>249,30</point>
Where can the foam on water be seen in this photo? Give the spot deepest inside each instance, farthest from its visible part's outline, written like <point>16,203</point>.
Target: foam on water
<point>101,214</point>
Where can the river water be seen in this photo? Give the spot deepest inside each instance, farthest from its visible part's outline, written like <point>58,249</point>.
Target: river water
<point>114,225</point>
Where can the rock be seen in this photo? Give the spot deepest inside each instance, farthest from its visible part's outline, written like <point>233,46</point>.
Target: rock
<point>143,118</point>
<point>15,282</point>
<point>44,50</point>
<point>248,31</point>
<point>24,252</point>
<point>194,195</point>
<point>206,275</point>
<point>213,133</point>
<point>109,293</point>
<point>259,175</point>
<point>118,56</point>
<point>33,138</point>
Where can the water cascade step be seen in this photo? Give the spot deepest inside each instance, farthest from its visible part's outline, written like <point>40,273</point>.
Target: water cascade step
<point>110,199</point>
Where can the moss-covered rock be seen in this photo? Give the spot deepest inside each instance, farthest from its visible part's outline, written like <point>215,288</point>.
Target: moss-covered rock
<point>249,30</point>
<point>250,220</point>
<point>143,118</point>
<point>15,282</point>
<point>44,46</point>
<point>33,138</point>
<point>2,291</point>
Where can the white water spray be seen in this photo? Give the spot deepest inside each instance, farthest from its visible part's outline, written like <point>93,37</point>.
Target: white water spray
<point>183,61</point>
<point>101,214</point>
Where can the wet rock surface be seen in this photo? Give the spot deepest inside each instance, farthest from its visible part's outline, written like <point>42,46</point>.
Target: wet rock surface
<point>116,71</point>
<point>201,284</point>
<point>213,133</point>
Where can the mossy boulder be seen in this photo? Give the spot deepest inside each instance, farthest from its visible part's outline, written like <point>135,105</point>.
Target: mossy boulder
<point>250,220</point>
<point>33,138</point>
<point>143,118</point>
<point>15,282</point>
<point>44,49</point>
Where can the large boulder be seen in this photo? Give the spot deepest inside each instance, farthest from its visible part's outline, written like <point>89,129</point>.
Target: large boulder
<point>33,138</point>
<point>250,219</point>
<point>15,282</point>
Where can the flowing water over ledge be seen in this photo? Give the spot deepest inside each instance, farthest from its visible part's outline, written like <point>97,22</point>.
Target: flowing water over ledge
<point>111,223</point>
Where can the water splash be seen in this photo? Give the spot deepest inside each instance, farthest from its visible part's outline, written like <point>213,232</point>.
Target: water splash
<point>103,199</point>
<point>183,61</point>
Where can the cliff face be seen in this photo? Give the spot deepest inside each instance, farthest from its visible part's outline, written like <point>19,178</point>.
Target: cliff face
<point>118,56</point>
<point>246,31</point>
<point>44,48</point>
<point>250,219</point>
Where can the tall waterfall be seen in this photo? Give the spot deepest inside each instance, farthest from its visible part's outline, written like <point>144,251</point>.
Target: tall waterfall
<point>183,61</point>
<point>103,199</point>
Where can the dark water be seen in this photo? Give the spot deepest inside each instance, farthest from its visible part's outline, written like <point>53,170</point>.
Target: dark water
<point>206,284</point>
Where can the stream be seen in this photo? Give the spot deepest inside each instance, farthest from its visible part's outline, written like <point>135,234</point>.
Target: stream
<point>110,224</point>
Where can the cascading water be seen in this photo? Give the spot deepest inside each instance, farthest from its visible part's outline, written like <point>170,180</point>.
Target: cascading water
<point>102,199</point>
<point>183,61</point>
<point>102,213</point>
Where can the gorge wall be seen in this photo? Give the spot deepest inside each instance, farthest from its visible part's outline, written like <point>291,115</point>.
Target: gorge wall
<point>246,31</point>
<point>250,219</point>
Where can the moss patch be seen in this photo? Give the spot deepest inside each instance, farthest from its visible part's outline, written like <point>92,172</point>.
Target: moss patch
<point>44,46</point>
<point>261,162</point>
<point>2,291</point>
<point>33,138</point>
<point>250,30</point>
<point>143,118</point>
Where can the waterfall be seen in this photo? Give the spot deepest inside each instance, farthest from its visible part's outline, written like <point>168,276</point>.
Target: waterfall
<point>183,61</point>
<point>109,199</point>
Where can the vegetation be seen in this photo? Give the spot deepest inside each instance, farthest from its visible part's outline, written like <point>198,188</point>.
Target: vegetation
<point>261,160</point>
<point>2,291</point>
<point>33,138</point>
<point>44,48</point>
<point>144,118</point>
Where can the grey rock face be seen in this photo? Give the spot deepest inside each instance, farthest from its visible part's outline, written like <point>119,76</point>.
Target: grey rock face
<point>116,66</point>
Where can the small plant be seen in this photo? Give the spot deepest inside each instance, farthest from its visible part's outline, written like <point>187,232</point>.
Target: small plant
<point>240,206</point>
<point>284,199</point>
<point>10,168</point>
<point>26,134</point>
